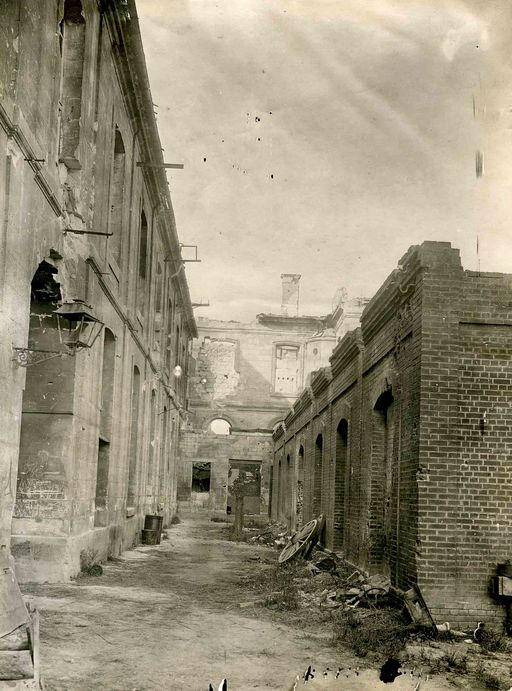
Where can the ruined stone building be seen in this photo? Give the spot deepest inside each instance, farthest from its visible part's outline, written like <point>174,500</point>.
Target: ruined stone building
<point>246,377</point>
<point>90,419</point>
<point>403,441</point>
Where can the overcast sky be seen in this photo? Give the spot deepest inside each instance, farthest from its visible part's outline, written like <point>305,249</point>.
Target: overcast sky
<point>324,137</point>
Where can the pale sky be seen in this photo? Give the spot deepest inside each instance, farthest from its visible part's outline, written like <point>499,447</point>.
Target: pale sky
<point>361,110</point>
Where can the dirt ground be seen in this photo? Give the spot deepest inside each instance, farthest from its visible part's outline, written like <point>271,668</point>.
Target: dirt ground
<point>169,617</point>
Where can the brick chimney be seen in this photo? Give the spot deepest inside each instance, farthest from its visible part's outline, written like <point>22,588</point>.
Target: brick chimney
<point>290,299</point>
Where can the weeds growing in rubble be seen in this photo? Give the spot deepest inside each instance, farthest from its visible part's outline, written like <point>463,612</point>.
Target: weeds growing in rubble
<point>279,586</point>
<point>487,679</point>
<point>494,642</point>
<point>89,565</point>
<point>384,631</point>
<point>451,661</point>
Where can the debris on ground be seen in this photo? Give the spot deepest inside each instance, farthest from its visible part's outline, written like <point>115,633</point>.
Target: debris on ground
<point>370,617</point>
<point>272,535</point>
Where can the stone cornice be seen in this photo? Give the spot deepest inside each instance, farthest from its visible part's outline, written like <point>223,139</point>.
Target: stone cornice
<point>384,303</point>
<point>346,350</point>
<point>127,50</point>
<point>321,380</point>
<point>289,323</point>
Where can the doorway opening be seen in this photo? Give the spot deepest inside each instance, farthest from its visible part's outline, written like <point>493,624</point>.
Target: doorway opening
<point>248,472</point>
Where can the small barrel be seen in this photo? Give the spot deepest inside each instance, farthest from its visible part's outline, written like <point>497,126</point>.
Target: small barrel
<point>152,522</point>
<point>150,537</point>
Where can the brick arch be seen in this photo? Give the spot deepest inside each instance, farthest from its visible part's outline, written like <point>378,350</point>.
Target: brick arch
<point>381,463</point>
<point>341,464</point>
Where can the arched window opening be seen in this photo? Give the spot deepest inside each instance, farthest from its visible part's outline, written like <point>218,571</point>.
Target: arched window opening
<point>143,261</point>
<point>47,396</point>
<point>317,483</point>
<point>340,483</point>
<point>134,439</point>
<point>152,447</point>
<point>73,50</point>
<point>219,426</point>
<point>299,503</point>
<point>105,435</point>
<point>164,456</point>
<point>381,479</point>
<point>159,307</point>
<point>117,188</point>
<point>287,484</point>
<point>170,325</point>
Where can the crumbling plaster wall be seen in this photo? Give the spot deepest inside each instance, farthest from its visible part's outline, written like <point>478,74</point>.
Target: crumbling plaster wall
<point>233,380</point>
<point>39,198</point>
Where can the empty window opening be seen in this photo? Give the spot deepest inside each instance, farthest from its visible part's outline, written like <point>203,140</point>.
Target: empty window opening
<point>159,307</point>
<point>201,477</point>
<point>220,426</point>
<point>340,483</point>
<point>107,395</point>
<point>164,456</point>
<point>317,482</point>
<point>248,474</point>
<point>73,50</point>
<point>47,396</point>
<point>299,500</point>
<point>152,446</point>
<point>117,197</point>
<point>134,438</point>
<point>286,378</point>
<point>143,260</point>
<point>381,474</point>
<point>169,348</point>
<point>286,510</point>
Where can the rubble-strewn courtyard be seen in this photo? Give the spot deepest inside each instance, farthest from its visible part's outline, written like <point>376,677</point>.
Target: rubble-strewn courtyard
<point>199,607</point>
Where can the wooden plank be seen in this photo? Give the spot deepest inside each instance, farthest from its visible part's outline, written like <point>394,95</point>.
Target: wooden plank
<point>13,612</point>
<point>16,664</point>
<point>35,643</point>
<point>17,640</point>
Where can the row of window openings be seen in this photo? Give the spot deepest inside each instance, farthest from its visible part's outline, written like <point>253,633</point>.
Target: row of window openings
<point>72,49</point>
<point>107,392</point>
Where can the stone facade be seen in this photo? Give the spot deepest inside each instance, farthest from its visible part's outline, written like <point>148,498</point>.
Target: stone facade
<point>89,443</point>
<point>403,441</point>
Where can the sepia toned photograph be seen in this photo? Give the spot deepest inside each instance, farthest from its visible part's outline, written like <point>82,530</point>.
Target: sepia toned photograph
<point>255,345</point>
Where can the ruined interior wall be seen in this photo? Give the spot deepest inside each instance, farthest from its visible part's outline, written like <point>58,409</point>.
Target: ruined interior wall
<point>207,447</point>
<point>233,380</point>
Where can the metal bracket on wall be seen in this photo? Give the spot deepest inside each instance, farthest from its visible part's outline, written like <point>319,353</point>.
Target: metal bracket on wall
<point>183,261</point>
<point>148,164</point>
<point>86,232</point>
<point>25,357</point>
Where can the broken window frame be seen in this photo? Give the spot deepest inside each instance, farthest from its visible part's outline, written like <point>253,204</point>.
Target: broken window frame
<point>278,348</point>
<point>201,468</point>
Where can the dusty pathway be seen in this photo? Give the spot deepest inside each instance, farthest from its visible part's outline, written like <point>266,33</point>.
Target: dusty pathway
<point>168,617</point>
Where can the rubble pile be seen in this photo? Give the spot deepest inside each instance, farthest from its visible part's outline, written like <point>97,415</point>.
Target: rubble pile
<point>329,583</point>
<point>273,535</point>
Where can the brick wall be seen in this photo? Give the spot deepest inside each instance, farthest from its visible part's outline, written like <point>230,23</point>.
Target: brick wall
<point>421,490</point>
